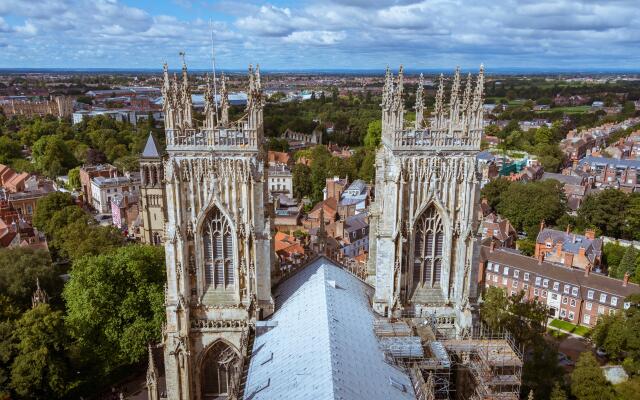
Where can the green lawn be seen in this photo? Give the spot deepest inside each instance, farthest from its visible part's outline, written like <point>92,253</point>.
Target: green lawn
<point>569,327</point>
<point>569,110</point>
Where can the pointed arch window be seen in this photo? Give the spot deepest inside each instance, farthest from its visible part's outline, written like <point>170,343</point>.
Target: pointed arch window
<point>220,369</point>
<point>428,247</point>
<point>218,251</point>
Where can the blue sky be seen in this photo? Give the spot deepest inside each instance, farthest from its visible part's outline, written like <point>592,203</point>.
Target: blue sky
<point>312,34</point>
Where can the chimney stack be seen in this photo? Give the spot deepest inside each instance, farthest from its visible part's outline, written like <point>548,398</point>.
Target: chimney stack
<point>590,234</point>
<point>587,270</point>
<point>540,258</point>
<point>542,225</point>
<point>492,246</point>
<point>625,280</point>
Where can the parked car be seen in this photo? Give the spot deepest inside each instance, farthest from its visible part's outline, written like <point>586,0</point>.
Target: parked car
<point>564,360</point>
<point>601,352</point>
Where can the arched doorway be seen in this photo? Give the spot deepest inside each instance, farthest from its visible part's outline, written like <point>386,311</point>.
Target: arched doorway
<point>220,369</point>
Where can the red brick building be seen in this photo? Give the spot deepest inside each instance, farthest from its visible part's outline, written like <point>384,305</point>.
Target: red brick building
<point>573,295</point>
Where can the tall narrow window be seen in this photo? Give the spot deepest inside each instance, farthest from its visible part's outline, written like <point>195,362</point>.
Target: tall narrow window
<point>429,241</point>
<point>218,251</point>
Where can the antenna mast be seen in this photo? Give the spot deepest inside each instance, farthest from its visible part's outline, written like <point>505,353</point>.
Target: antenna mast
<point>213,64</point>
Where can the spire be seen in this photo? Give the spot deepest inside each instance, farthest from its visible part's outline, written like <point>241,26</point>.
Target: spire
<point>210,115</point>
<point>151,147</point>
<point>224,102</point>
<point>387,89</point>
<point>399,90</point>
<point>454,102</point>
<point>167,98</point>
<point>152,377</point>
<point>478,100</point>
<point>419,103</point>
<point>439,106</point>
<point>466,98</point>
<point>39,296</point>
<point>185,96</point>
<point>257,82</point>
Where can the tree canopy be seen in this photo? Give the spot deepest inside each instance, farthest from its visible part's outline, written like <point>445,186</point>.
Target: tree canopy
<point>115,303</point>
<point>588,381</point>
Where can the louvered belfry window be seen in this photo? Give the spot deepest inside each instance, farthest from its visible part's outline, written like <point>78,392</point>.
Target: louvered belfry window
<point>218,251</point>
<point>429,237</point>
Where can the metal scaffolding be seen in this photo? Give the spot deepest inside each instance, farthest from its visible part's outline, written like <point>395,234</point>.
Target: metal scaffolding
<point>482,364</point>
<point>494,360</point>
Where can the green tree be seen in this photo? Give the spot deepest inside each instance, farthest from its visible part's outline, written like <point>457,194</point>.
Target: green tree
<point>74,178</point>
<point>9,149</point>
<point>47,206</point>
<point>115,303</point>
<point>612,255</point>
<point>558,393</point>
<point>629,262</point>
<point>40,369</point>
<point>19,269</point>
<point>524,214</point>
<point>588,381</point>
<point>374,133</point>
<point>52,156</point>
<point>127,163</point>
<point>604,211</point>
<point>301,182</point>
<point>80,239</point>
<point>493,191</point>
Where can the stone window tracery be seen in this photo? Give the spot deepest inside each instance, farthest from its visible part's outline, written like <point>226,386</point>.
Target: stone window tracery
<point>218,251</point>
<point>220,367</point>
<point>429,238</point>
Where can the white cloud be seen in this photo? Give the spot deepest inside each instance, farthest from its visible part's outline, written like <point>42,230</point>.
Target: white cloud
<point>28,29</point>
<point>350,33</point>
<point>323,38</point>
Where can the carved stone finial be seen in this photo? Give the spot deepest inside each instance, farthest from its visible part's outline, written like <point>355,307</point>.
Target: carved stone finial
<point>420,103</point>
<point>39,296</point>
<point>152,377</point>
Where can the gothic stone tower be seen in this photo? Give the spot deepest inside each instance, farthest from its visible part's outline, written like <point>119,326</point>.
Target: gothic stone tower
<point>218,254</point>
<point>152,196</point>
<point>426,190</point>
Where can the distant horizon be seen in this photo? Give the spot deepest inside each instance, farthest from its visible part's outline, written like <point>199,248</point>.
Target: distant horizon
<point>346,71</point>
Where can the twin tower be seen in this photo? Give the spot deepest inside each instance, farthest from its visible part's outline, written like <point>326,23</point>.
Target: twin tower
<point>218,234</point>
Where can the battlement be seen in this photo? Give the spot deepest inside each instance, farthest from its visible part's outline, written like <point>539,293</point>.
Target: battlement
<point>239,138</point>
<point>436,140</point>
<point>215,132</point>
<point>457,127</point>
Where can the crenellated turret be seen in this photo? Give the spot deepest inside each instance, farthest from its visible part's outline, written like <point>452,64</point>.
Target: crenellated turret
<point>458,128</point>
<point>216,130</point>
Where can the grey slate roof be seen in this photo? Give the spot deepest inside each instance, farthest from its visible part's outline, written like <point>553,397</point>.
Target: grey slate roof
<point>572,242</point>
<point>566,179</point>
<point>355,222</point>
<point>614,162</point>
<point>151,148</point>
<point>320,343</point>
